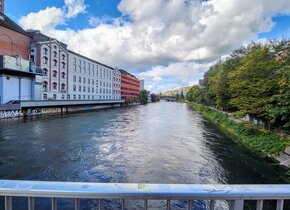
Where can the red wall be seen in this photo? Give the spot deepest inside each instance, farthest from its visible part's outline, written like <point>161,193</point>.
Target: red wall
<point>14,43</point>
<point>130,87</point>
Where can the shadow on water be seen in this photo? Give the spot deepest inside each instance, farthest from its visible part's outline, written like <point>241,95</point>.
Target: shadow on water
<point>156,143</point>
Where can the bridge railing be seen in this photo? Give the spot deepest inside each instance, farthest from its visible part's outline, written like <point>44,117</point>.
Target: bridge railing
<point>235,195</point>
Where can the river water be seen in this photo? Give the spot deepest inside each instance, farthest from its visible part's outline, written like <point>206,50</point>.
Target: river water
<point>155,143</point>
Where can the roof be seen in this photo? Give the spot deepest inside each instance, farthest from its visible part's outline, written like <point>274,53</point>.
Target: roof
<point>127,73</point>
<point>77,54</point>
<point>6,22</point>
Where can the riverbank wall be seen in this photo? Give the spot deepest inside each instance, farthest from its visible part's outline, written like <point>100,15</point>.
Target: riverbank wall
<point>18,111</point>
<point>261,141</point>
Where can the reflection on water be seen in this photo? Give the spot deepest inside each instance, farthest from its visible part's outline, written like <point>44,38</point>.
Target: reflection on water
<point>156,143</point>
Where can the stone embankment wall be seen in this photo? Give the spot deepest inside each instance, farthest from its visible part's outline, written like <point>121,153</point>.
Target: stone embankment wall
<point>6,114</point>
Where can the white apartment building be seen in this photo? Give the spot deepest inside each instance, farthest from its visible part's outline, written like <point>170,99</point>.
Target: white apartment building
<point>50,56</point>
<point>117,84</point>
<point>89,79</point>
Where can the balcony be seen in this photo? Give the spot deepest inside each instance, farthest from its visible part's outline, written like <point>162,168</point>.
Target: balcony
<point>15,63</point>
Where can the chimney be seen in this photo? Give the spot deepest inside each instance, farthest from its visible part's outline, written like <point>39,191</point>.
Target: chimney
<point>2,6</point>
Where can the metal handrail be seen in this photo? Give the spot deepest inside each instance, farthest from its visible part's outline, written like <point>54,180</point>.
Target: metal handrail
<point>79,190</point>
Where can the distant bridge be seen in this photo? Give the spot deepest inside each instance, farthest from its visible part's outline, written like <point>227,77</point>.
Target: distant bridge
<point>168,98</point>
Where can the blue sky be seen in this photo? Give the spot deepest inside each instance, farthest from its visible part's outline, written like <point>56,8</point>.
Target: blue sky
<point>162,43</point>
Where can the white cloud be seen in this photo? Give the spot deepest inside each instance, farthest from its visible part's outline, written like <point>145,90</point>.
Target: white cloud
<point>162,35</point>
<point>74,7</point>
<point>179,74</point>
<point>44,20</point>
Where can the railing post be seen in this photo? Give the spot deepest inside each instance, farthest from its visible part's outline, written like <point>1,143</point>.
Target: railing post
<point>280,204</point>
<point>190,205</point>
<point>168,205</point>
<point>53,204</point>
<point>237,205</point>
<point>31,203</point>
<point>145,204</point>
<point>8,203</point>
<point>99,204</point>
<point>259,205</point>
<point>122,204</point>
<point>211,205</point>
<point>77,204</point>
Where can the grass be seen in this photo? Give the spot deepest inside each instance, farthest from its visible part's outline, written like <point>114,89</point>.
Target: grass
<point>261,141</point>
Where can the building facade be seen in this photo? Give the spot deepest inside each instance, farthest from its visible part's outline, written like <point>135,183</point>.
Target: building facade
<point>34,66</point>
<point>17,80</point>
<point>51,58</point>
<point>130,86</point>
<point>117,84</point>
<point>2,6</point>
<point>89,79</point>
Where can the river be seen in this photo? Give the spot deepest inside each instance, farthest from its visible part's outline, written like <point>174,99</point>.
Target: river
<point>155,143</point>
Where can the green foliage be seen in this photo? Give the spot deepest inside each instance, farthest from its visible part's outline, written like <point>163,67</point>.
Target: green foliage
<point>143,96</point>
<point>260,141</point>
<point>253,81</point>
<point>154,97</point>
<point>195,94</point>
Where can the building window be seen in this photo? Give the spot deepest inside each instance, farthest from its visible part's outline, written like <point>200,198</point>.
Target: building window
<point>68,97</point>
<point>63,65</point>
<point>80,97</point>
<point>75,97</point>
<point>84,88</point>
<point>89,81</point>
<point>44,86</point>
<point>93,90</point>
<point>54,74</point>
<point>55,54</point>
<point>75,78</point>
<point>44,96</point>
<point>54,86</point>
<point>88,97</point>
<point>89,89</point>
<point>44,72</point>
<point>45,51</point>
<point>63,87</point>
<point>45,60</point>
<point>55,62</point>
<point>54,96</point>
<point>74,88</point>
<point>62,75</point>
<point>62,97</point>
<point>84,97</point>
<point>80,79</point>
<point>93,82</point>
<point>80,88</point>
<point>84,80</point>
<point>75,61</point>
<point>63,57</point>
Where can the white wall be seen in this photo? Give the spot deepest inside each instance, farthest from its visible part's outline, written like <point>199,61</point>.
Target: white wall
<point>26,89</point>
<point>88,70</point>
<point>10,88</point>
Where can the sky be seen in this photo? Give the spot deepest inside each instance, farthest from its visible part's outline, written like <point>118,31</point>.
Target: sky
<point>169,43</point>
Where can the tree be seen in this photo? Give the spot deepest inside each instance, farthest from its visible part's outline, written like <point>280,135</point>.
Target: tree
<point>143,96</point>
<point>195,94</point>
<point>253,83</point>
<point>154,97</point>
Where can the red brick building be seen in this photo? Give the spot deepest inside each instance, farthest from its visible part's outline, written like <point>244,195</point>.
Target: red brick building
<point>130,85</point>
